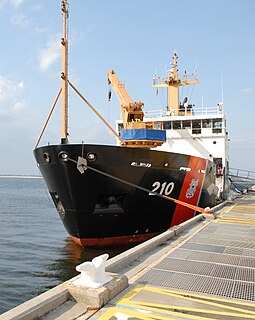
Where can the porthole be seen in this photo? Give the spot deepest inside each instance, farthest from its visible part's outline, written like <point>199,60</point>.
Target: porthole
<point>47,157</point>
<point>63,155</point>
<point>91,156</point>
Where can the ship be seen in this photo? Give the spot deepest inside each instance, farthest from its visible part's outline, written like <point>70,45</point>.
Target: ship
<point>166,166</point>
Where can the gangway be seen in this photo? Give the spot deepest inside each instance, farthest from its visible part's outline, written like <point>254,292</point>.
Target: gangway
<point>242,180</point>
<point>242,174</point>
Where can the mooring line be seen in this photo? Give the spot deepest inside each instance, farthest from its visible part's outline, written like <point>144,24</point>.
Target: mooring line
<point>182,203</point>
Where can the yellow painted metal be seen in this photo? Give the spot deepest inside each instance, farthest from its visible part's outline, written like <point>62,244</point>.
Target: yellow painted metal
<point>131,110</point>
<point>239,213</point>
<point>142,143</point>
<point>172,83</point>
<point>132,304</point>
<point>64,74</point>
<point>132,114</point>
<point>236,220</point>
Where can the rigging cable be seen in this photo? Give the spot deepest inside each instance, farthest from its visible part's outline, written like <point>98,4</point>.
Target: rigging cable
<point>192,90</point>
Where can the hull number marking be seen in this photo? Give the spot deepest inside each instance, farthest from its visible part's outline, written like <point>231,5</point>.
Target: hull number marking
<point>162,188</point>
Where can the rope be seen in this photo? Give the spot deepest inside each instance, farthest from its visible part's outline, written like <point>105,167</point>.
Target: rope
<point>182,203</point>
<point>96,112</point>
<point>48,118</point>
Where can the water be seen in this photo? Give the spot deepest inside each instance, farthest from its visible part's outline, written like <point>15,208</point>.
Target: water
<point>35,252</point>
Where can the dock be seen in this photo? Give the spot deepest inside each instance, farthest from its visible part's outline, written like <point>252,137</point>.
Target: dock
<point>201,269</point>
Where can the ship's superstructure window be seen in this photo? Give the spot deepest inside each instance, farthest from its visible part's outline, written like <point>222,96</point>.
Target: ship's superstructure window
<point>186,124</point>
<point>196,126</point>
<point>157,125</point>
<point>217,126</point>
<point>207,123</point>
<point>177,125</point>
<point>167,125</point>
<point>193,127</point>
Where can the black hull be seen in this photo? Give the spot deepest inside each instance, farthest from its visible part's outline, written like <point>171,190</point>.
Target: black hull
<point>99,209</point>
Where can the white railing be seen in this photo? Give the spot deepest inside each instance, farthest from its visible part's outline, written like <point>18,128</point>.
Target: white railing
<point>195,112</point>
<point>240,173</point>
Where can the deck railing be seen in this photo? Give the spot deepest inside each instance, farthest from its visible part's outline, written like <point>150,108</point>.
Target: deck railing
<point>242,174</point>
<point>207,111</point>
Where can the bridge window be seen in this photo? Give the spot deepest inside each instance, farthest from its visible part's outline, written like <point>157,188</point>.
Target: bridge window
<point>196,126</point>
<point>217,126</point>
<point>207,123</point>
<point>186,124</point>
<point>167,125</point>
<point>177,125</point>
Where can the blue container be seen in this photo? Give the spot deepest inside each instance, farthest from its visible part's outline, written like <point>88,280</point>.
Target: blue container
<point>143,134</point>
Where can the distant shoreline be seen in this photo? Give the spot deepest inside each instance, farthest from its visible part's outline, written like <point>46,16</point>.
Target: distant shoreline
<point>20,177</point>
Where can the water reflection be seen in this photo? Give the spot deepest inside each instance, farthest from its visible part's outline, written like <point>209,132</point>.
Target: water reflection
<point>71,254</point>
<point>35,253</point>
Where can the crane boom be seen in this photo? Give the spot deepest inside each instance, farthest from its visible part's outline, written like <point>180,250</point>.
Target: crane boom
<point>136,132</point>
<point>131,110</point>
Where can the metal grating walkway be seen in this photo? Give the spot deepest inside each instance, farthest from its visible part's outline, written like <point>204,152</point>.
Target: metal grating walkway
<point>208,273</point>
<point>219,260</point>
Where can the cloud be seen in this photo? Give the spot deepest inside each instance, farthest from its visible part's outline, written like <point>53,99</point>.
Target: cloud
<point>50,54</point>
<point>19,105</point>
<point>247,90</point>
<point>2,3</point>
<point>11,95</point>
<point>20,20</point>
<point>17,18</point>
<point>37,6</point>
<point>16,3</point>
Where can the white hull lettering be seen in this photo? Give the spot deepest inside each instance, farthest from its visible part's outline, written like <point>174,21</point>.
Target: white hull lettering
<point>162,188</point>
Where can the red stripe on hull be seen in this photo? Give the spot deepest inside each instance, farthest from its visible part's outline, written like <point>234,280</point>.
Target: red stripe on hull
<point>182,213</point>
<point>114,241</point>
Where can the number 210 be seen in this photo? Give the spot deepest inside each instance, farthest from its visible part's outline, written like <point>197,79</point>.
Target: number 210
<point>164,188</point>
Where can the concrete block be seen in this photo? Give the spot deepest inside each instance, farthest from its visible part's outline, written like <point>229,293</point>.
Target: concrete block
<point>38,306</point>
<point>95,298</point>
<point>126,258</point>
<point>186,224</point>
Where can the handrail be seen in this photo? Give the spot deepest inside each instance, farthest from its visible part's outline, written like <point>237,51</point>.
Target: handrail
<point>241,173</point>
<point>195,111</point>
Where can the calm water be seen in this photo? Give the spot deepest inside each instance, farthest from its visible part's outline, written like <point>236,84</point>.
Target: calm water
<point>35,251</point>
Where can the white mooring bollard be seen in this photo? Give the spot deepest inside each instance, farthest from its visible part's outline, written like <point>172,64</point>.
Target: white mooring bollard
<point>93,273</point>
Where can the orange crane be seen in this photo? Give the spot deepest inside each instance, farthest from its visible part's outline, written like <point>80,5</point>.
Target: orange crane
<point>132,112</point>
<point>132,115</point>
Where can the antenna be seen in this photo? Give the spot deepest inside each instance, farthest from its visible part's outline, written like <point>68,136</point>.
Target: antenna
<point>222,88</point>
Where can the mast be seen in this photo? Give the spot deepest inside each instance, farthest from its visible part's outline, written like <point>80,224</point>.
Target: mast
<point>173,87</point>
<point>64,73</point>
<point>172,83</point>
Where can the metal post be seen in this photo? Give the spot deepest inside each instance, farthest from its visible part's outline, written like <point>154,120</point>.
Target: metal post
<point>64,74</point>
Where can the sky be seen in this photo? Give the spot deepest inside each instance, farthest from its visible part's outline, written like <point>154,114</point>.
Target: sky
<point>136,38</point>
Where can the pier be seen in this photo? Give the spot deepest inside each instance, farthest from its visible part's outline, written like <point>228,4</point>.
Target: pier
<point>201,269</point>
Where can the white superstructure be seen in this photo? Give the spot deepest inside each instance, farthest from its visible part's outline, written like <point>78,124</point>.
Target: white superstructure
<point>189,130</point>
<point>202,133</point>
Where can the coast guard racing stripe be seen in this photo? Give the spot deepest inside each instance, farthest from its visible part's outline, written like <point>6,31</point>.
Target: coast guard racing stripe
<point>191,189</point>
